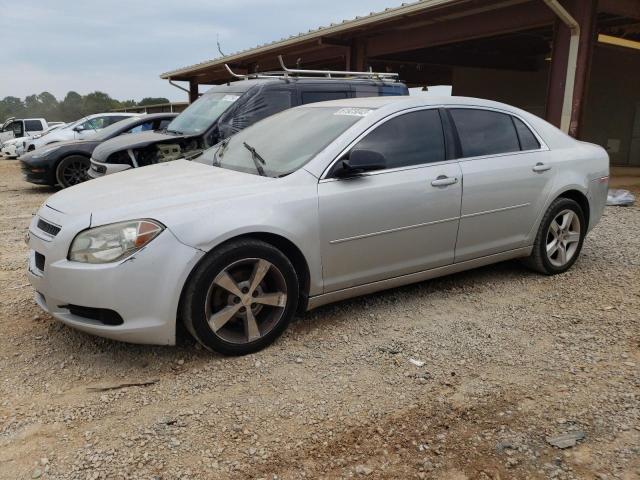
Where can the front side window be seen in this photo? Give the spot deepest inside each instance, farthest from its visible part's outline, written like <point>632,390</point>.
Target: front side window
<point>33,125</point>
<point>202,113</point>
<point>285,141</point>
<point>143,127</point>
<point>17,128</point>
<point>485,132</point>
<point>410,139</point>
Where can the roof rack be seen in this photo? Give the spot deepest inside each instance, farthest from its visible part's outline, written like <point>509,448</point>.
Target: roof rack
<point>290,72</point>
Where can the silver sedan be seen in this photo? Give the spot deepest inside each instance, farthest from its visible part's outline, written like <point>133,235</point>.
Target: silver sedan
<point>313,205</point>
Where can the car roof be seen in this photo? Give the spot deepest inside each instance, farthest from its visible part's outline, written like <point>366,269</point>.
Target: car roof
<point>402,102</point>
<point>244,85</point>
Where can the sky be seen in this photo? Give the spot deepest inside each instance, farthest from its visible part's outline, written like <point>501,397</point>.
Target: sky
<point>122,46</point>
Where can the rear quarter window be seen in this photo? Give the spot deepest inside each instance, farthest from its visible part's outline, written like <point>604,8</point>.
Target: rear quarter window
<point>319,96</point>
<point>528,140</point>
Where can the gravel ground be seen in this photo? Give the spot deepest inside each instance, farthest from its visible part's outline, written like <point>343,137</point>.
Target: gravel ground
<point>511,360</point>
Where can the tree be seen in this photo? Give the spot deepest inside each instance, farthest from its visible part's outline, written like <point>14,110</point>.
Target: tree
<point>70,108</point>
<point>152,101</point>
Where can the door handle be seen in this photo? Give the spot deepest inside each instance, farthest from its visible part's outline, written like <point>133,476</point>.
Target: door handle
<point>541,167</point>
<point>443,181</point>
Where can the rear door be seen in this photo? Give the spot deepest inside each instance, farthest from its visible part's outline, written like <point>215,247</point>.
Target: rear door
<point>507,179</point>
<point>396,221</point>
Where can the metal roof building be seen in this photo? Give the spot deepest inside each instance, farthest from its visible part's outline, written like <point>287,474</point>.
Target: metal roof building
<point>574,62</point>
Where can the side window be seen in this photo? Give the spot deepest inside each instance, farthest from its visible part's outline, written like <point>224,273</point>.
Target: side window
<point>164,124</point>
<point>528,140</point>
<point>18,128</point>
<point>33,125</point>
<point>260,106</point>
<point>485,132</point>
<point>320,96</point>
<point>90,124</point>
<point>410,139</point>
<point>143,127</point>
<point>111,120</point>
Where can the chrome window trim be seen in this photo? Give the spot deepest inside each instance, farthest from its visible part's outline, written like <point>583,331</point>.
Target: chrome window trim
<point>324,177</point>
<point>543,145</point>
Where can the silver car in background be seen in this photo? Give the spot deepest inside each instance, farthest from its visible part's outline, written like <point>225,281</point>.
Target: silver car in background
<point>313,205</point>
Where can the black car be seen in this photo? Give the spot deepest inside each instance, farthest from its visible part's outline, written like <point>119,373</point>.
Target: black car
<point>67,163</point>
<point>226,109</point>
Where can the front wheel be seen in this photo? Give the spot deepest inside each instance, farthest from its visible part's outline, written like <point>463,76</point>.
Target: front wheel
<point>559,239</point>
<point>241,297</point>
<point>72,170</point>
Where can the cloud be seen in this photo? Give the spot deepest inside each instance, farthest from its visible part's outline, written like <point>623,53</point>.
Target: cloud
<point>122,46</point>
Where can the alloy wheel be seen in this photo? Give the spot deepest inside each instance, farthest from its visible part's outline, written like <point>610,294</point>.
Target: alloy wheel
<point>563,238</point>
<point>75,173</point>
<point>246,300</point>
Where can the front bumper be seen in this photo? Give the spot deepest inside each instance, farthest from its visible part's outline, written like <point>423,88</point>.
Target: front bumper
<point>144,289</point>
<point>99,169</point>
<point>38,174</point>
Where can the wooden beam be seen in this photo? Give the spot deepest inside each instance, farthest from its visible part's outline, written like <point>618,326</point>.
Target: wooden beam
<point>193,90</point>
<point>623,8</point>
<point>485,24</point>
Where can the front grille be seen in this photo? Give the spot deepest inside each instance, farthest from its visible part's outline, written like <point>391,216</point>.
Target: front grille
<point>47,227</point>
<point>102,315</point>
<point>40,261</point>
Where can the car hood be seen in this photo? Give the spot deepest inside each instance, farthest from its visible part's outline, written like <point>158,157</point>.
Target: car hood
<point>134,140</point>
<point>61,149</point>
<point>157,191</point>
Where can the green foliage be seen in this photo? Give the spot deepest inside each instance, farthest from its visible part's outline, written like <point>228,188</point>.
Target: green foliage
<point>73,107</point>
<point>153,100</point>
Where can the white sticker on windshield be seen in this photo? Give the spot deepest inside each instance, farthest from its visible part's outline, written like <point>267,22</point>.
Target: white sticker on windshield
<point>230,98</point>
<point>354,112</point>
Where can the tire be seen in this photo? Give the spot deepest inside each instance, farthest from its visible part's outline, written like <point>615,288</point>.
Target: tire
<point>547,256</point>
<point>72,170</point>
<point>221,290</point>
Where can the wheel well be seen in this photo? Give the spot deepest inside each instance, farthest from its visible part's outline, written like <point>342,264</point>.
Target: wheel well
<point>287,247</point>
<point>581,199</point>
<point>293,253</point>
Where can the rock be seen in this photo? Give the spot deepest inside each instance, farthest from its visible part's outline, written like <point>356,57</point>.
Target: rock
<point>37,473</point>
<point>363,470</point>
<point>298,360</point>
<point>566,440</point>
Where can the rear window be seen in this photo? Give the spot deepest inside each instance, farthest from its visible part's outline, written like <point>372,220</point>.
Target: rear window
<point>33,125</point>
<point>485,132</point>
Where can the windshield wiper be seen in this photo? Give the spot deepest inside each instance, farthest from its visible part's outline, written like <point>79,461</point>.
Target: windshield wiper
<point>175,132</point>
<point>257,159</point>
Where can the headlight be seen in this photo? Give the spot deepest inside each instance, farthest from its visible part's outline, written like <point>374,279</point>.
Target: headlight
<point>114,242</point>
<point>44,151</point>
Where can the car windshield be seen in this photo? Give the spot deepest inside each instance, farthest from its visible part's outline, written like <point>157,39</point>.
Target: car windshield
<point>202,113</point>
<point>281,144</point>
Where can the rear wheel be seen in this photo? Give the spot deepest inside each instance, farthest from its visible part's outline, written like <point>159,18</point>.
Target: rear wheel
<point>241,297</point>
<point>559,239</point>
<point>72,170</point>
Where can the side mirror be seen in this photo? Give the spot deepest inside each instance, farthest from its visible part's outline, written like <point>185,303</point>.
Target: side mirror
<point>360,161</point>
<point>78,128</point>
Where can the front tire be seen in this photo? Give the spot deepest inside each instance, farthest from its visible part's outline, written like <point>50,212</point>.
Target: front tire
<point>72,170</point>
<point>241,297</point>
<point>559,239</point>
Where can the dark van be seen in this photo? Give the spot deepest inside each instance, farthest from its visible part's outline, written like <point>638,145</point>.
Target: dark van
<point>226,109</point>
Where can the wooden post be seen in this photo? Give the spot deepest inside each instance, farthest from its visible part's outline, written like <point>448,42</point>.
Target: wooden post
<point>584,12</point>
<point>193,90</point>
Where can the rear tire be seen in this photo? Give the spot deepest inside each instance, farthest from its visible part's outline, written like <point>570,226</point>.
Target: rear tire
<point>72,170</point>
<point>559,239</point>
<point>240,298</point>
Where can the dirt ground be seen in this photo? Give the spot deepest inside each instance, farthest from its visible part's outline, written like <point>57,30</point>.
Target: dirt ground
<point>511,359</point>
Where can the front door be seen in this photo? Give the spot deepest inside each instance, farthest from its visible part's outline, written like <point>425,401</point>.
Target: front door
<point>396,221</point>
